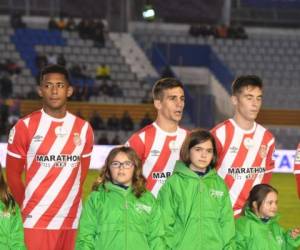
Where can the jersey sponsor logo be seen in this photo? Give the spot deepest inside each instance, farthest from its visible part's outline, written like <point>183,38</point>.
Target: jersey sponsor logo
<point>262,151</point>
<point>139,207</point>
<point>76,139</point>
<point>216,193</point>
<point>279,239</point>
<point>161,176</point>
<point>245,173</point>
<point>11,135</point>
<point>59,161</point>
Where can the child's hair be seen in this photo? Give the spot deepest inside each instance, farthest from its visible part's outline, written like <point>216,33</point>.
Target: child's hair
<point>195,137</point>
<point>5,196</point>
<point>138,180</point>
<point>257,194</point>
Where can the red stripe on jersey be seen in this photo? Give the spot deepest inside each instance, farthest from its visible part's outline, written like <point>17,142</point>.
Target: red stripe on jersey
<point>52,210</point>
<point>52,175</point>
<point>69,219</point>
<point>44,147</point>
<point>243,196</point>
<point>238,161</point>
<point>161,162</point>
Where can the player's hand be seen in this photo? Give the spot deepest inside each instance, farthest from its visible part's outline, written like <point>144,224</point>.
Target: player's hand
<point>295,232</point>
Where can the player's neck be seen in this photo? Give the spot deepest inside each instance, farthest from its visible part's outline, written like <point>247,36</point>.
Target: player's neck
<point>243,123</point>
<point>60,113</point>
<point>165,125</point>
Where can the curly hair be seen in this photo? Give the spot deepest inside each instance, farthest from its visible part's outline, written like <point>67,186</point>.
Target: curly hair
<point>138,180</point>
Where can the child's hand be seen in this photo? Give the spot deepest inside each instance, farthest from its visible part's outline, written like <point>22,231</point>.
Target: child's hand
<point>295,233</point>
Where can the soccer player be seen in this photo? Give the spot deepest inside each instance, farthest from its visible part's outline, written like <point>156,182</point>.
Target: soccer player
<point>245,148</point>
<point>158,144</point>
<point>297,169</point>
<point>53,147</point>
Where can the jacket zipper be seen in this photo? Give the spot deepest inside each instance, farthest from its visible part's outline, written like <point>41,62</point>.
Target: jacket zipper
<point>126,221</point>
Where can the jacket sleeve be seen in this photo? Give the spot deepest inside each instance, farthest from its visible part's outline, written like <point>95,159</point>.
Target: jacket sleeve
<point>292,244</point>
<point>241,238</point>
<point>227,222</point>
<point>155,233</point>
<point>87,230</point>
<point>16,236</point>
<point>168,210</point>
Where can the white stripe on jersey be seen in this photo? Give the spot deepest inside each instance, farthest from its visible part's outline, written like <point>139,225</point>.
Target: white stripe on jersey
<point>13,154</point>
<point>56,148</point>
<point>59,218</point>
<point>26,121</point>
<point>229,158</point>
<point>76,221</point>
<point>221,135</point>
<point>238,184</point>
<point>171,162</point>
<point>42,129</point>
<point>296,171</point>
<point>158,144</point>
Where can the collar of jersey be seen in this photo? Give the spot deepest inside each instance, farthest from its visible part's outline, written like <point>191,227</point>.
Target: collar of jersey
<point>53,118</point>
<point>249,131</point>
<point>165,132</point>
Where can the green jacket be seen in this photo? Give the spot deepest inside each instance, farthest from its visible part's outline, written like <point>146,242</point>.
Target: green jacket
<point>11,229</point>
<point>116,219</point>
<point>197,211</point>
<point>253,234</point>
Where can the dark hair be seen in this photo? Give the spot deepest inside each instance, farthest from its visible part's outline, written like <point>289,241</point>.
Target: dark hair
<point>195,137</point>
<point>257,194</point>
<point>5,196</point>
<point>138,180</point>
<point>54,68</point>
<point>163,84</point>
<point>244,81</point>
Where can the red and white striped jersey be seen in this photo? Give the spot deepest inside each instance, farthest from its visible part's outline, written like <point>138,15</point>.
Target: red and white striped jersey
<point>52,149</point>
<point>245,158</point>
<point>158,151</point>
<point>297,169</point>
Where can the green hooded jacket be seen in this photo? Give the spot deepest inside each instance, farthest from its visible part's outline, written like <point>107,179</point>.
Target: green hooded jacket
<point>253,234</point>
<point>114,218</point>
<point>11,229</point>
<point>197,211</point>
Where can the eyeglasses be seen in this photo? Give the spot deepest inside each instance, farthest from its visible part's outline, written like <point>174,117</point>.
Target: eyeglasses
<point>125,164</point>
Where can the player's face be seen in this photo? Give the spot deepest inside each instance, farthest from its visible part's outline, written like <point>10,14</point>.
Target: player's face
<point>170,107</point>
<point>54,89</point>
<point>248,103</point>
<point>121,169</point>
<point>201,155</point>
<point>268,207</point>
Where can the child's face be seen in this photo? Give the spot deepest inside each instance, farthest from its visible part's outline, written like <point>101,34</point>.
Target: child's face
<point>201,155</point>
<point>268,207</point>
<point>121,169</point>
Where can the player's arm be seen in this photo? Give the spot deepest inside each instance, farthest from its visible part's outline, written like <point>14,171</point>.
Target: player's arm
<point>297,169</point>
<point>87,153</point>
<point>16,159</point>
<point>269,164</point>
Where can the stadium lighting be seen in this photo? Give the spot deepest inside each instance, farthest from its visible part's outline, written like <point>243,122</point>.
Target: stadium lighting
<point>148,13</point>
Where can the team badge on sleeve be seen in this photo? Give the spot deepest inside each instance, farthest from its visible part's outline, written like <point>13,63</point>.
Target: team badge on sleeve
<point>11,135</point>
<point>77,140</point>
